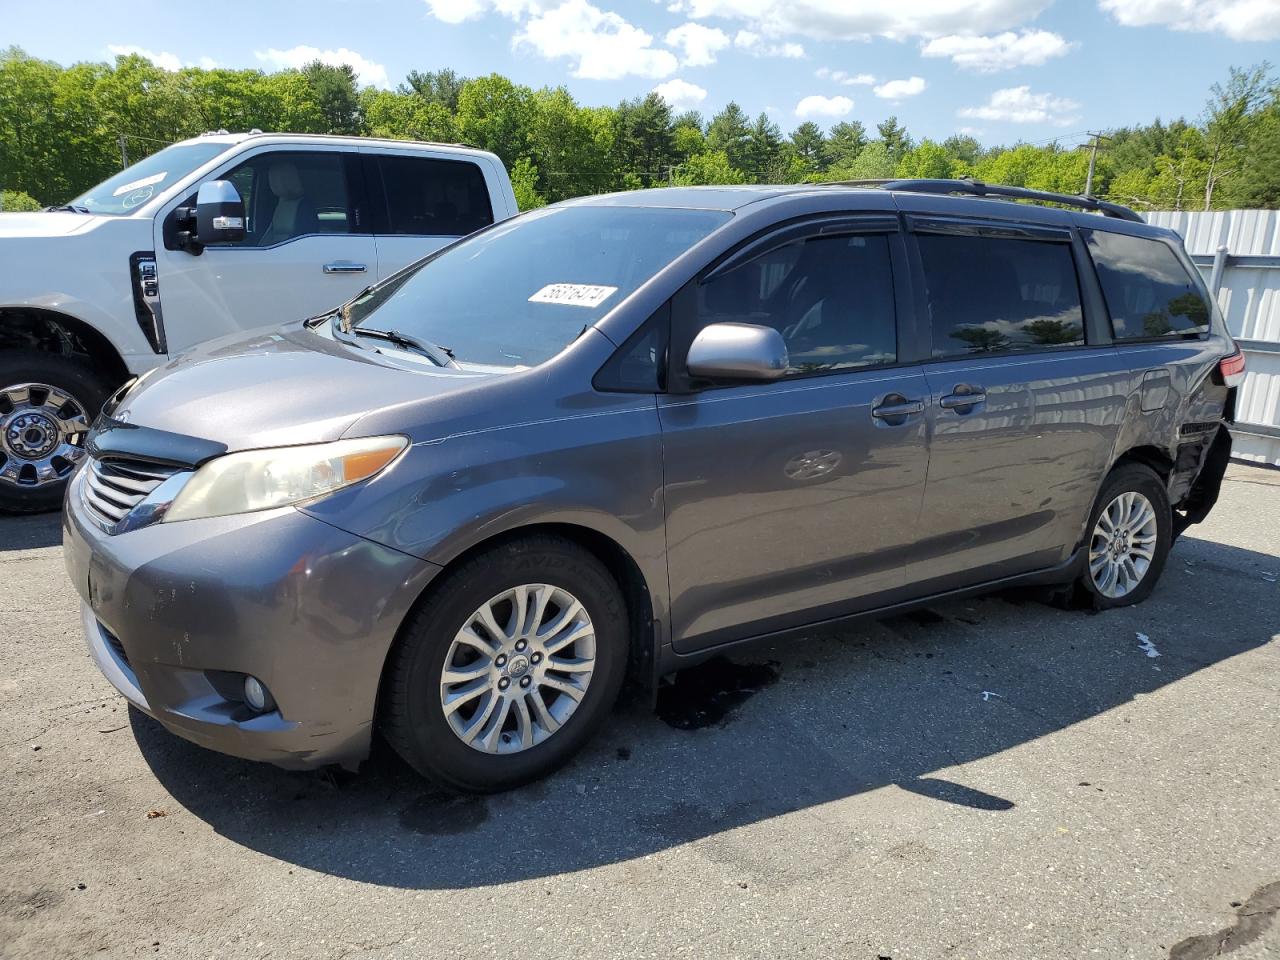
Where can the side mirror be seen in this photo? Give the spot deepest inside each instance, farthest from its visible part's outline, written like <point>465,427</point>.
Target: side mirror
<point>738,351</point>
<point>219,213</point>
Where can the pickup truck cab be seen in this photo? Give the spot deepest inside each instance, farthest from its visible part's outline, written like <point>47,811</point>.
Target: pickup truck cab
<point>120,279</point>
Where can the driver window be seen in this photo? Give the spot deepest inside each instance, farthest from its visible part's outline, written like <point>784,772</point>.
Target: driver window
<point>288,195</point>
<point>831,298</point>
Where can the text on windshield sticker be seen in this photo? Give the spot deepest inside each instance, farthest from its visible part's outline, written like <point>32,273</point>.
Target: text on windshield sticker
<point>573,294</point>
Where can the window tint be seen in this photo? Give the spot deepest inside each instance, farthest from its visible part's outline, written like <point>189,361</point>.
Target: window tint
<point>434,198</point>
<point>289,195</point>
<point>992,294</point>
<point>1148,292</point>
<point>831,298</point>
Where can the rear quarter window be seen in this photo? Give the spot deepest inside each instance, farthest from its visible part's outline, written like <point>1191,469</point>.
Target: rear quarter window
<point>1148,291</point>
<point>427,196</point>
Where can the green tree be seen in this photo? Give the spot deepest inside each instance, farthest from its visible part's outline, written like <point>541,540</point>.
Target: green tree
<point>1228,122</point>
<point>441,87</point>
<point>873,162</point>
<point>809,143</point>
<point>764,157</point>
<point>894,136</point>
<point>336,96</point>
<point>15,201</point>
<point>730,133</point>
<point>845,141</point>
<point>687,136</point>
<point>524,183</point>
<point>712,167</point>
<point>496,114</point>
<point>643,139</point>
<point>930,161</point>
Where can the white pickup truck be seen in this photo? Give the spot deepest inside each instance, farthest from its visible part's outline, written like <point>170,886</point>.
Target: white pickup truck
<point>140,268</point>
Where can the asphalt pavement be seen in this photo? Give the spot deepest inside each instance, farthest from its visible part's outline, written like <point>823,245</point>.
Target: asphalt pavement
<point>986,778</point>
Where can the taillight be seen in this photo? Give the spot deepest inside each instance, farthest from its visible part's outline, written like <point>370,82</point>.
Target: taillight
<point>1232,368</point>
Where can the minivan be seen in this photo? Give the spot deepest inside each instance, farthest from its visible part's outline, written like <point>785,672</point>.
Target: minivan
<point>615,436</point>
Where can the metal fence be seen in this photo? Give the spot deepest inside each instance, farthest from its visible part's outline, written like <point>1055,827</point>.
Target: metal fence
<point>1238,251</point>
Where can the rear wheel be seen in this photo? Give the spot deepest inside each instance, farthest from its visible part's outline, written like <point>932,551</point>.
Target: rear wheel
<point>47,404</point>
<point>509,666</point>
<point>1130,532</point>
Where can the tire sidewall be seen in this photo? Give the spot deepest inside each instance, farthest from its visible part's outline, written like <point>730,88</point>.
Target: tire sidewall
<point>433,746</point>
<point>80,382</point>
<point>1139,479</point>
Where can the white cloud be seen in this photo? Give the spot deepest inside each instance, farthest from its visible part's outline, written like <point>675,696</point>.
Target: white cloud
<point>367,71</point>
<point>847,79</point>
<point>681,94</point>
<point>899,89</point>
<point>1020,105</point>
<point>603,44</point>
<point>754,44</point>
<point>698,45</point>
<point>456,11</point>
<point>971,131</point>
<point>1238,19</point>
<point>1003,51</point>
<point>816,106</point>
<point>165,61</point>
<point>859,19</point>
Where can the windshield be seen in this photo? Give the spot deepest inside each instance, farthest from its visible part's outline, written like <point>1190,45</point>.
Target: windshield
<point>520,292</point>
<point>137,184</point>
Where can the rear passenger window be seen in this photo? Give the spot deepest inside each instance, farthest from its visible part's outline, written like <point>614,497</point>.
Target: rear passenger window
<point>1148,291</point>
<point>994,294</point>
<point>434,198</point>
<point>831,298</point>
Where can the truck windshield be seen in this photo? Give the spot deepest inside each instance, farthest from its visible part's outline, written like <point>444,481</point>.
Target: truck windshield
<point>520,292</point>
<point>137,184</point>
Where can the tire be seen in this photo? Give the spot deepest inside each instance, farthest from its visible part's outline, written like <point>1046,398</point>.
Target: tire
<point>412,714</point>
<point>1140,484</point>
<point>32,480</point>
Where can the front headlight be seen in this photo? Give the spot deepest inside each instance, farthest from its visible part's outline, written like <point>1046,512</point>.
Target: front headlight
<point>262,479</point>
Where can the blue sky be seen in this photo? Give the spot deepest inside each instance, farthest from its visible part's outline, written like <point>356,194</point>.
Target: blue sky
<point>1004,70</point>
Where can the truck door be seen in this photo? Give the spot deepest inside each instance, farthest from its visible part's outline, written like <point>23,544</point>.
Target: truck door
<point>306,250</point>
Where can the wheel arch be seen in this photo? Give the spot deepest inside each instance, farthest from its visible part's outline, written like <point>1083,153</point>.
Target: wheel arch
<point>60,333</point>
<point>1149,456</point>
<point>637,592</point>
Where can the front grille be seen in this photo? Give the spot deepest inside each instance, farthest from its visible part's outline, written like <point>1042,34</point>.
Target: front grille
<point>114,487</point>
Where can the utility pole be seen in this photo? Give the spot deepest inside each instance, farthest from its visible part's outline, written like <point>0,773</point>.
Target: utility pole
<point>1093,160</point>
<point>124,152</point>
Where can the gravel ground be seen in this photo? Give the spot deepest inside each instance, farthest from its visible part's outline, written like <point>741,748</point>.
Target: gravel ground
<point>989,778</point>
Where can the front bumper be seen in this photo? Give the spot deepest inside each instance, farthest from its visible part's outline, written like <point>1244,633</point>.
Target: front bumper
<point>310,610</point>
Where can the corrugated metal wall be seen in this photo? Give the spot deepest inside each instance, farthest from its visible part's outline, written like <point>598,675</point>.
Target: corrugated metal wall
<point>1249,297</point>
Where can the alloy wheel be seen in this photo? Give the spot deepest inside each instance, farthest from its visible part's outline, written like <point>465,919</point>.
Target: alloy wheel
<point>518,668</point>
<point>42,431</point>
<point>1123,544</point>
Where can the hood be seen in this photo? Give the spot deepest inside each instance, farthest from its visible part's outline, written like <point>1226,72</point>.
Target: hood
<point>52,224</point>
<point>279,388</point>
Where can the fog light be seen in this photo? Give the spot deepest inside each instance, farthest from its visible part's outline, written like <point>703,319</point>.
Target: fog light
<point>255,694</point>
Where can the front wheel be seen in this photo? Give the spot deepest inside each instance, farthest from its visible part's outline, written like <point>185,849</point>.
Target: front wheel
<point>1130,532</point>
<point>47,404</point>
<point>508,667</point>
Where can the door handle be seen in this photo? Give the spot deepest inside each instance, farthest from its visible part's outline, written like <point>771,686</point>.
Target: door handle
<point>963,398</point>
<point>344,266</point>
<point>896,406</point>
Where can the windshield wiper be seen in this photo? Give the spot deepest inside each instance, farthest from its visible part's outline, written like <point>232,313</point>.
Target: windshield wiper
<point>440,356</point>
<point>71,207</point>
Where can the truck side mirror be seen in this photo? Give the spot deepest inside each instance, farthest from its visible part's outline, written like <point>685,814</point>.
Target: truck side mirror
<point>219,213</point>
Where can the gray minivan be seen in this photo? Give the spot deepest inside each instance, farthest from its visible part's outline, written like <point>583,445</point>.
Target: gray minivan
<point>613,436</point>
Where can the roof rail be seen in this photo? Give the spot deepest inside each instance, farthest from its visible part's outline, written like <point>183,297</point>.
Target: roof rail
<point>976,188</point>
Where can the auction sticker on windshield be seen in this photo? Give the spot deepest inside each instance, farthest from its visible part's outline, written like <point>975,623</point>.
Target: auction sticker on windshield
<point>573,294</point>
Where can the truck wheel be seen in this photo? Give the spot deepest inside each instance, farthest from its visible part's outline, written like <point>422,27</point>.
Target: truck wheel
<point>508,668</point>
<point>47,403</point>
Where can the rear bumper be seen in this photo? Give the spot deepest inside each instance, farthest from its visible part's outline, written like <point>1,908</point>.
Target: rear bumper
<point>170,610</point>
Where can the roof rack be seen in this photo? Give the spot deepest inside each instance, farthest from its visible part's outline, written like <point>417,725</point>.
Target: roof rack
<point>976,188</point>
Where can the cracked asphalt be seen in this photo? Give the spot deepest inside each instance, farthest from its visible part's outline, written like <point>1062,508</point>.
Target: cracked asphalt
<point>990,778</point>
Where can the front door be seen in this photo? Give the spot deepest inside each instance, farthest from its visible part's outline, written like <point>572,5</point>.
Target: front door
<point>303,253</point>
<point>796,500</point>
<point>1023,411</point>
